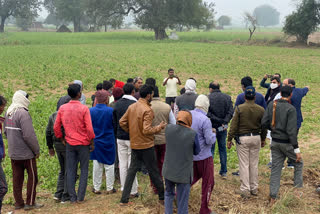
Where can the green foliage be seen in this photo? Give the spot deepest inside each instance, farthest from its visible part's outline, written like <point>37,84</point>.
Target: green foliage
<point>224,21</point>
<point>52,19</point>
<point>24,23</point>
<point>304,21</point>
<point>266,15</point>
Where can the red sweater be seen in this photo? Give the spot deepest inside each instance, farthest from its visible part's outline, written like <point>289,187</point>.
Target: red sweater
<point>118,84</point>
<point>76,121</point>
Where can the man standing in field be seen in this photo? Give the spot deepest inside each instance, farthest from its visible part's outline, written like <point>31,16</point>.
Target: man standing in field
<point>138,122</point>
<point>171,83</point>
<point>250,137</point>
<point>23,148</point>
<point>76,121</point>
<point>137,82</point>
<point>281,118</point>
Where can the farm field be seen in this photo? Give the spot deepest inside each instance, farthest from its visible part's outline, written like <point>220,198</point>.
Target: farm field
<point>44,63</point>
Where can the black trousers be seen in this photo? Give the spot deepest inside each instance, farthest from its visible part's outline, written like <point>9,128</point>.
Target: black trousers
<point>62,189</point>
<point>146,156</point>
<point>3,185</point>
<point>170,100</point>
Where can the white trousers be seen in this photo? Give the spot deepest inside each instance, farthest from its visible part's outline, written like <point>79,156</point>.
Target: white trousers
<point>124,155</point>
<point>97,175</point>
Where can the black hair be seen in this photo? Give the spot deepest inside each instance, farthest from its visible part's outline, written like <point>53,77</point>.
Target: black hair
<point>156,92</point>
<point>214,85</point>
<point>128,88</point>
<point>246,81</point>
<point>112,80</point>
<point>170,69</point>
<point>249,97</point>
<point>74,90</point>
<point>129,80</point>
<point>106,85</point>
<point>276,78</point>
<point>291,82</point>
<point>151,81</point>
<point>99,86</point>
<point>286,91</point>
<point>145,90</point>
<point>182,91</point>
<point>191,78</point>
<point>278,75</point>
<point>3,101</point>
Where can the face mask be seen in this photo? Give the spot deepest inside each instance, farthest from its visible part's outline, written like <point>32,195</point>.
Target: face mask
<point>274,85</point>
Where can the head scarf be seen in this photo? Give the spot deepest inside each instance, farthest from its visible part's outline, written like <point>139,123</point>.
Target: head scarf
<point>19,100</point>
<point>78,82</point>
<point>202,103</point>
<point>190,86</point>
<point>184,118</point>
<point>102,96</point>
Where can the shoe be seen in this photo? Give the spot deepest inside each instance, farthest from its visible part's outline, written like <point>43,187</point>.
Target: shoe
<point>111,191</point>
<point>318,190</point>
<point>243,194</point>
<point>57,199</point>
<point>224,175</point>
<point>135,195</point>
<point>31,207</point>
<point>236,173</point>
<point>254,192</point>
<point>19,207</point>
<point>97,192</point>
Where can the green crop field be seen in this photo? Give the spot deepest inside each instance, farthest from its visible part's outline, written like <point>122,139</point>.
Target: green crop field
<point>44,63</point>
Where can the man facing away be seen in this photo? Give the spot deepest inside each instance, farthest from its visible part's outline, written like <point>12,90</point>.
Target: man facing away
<point>103,155</point>
<point>203,162</point>
<point>182,144</point>
<point>220,113</point>
<point>171,83</point>
<point>23,148</point>
<point>186,101</point>
<point>123,138</point>
<point>76,121</point>
<point>281,118</point>
<point>246,125</point>
<point>138,122</point>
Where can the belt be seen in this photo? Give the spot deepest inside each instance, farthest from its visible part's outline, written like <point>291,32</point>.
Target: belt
<point>249,134</point>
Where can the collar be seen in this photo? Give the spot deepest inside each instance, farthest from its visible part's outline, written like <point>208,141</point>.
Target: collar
<point>250,101</point>
<point>74,101</point>
<point>101,105</point>
<point>215,90</point>
<point>144,101</point>
<point>156,99</point>
<point>200,111</point>
<point>129,97</point>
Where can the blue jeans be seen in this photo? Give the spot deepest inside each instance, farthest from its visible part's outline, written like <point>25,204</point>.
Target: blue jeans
<point>76,154</point>
<point>221,139</point>
<point>183,191</point>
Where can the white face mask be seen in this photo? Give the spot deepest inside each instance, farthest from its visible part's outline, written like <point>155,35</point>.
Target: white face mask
<point>274,85</point>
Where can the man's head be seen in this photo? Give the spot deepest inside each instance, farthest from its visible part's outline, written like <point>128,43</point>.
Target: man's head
<point>214,86</point>
<point>107,85</point>
<point>245,82</point>
<point>117,93</point>
<point>171,73</point>
<point>202,103</point>
<point>191,85</point>
<point>156,92</point>
<point>113,81</point>
<point>3,103</point>
<point>289,82</point>
<point>275,82</point>
<point>146,92</point>
<point>151,81</point>
<point>138,82</point>
<point>99,87</point>
<point>277,75</point>
<point>74,91</point>
<point>130,80</point>
<point>79,82</point>
<point>250,93</point>
<point>128,89</point>
<point>102,97</point>
<point>286,91</point>
<point>184,118</point>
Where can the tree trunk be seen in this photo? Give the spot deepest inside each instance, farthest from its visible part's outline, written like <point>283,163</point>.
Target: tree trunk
<point>3,19</point>
<point>105,28</point>
<point>76,25</point>
<point>160,33</point>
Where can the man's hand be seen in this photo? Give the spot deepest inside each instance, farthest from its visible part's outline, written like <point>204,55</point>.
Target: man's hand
<point>230,144</point>
<point>225,127</point>
<point>308,87</point>
<point>37,156</point>
<point>299,157</point>
<point>263,143</point>
<point>91,146</point>
<point>214,130</point>
<point>51,152</point>
<point>63,141</point>
<point>265,76</point>
<point>163,124</point>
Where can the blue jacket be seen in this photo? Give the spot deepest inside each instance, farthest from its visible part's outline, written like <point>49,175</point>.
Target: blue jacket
<point>297,95</point>
<point>259,100</point>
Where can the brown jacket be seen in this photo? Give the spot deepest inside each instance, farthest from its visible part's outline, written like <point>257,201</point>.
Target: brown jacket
<point>138,122</point>
<point>161,112</point>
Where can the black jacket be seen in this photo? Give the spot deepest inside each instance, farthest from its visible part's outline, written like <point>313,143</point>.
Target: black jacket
<point>119,110</point>
<point>221,108</point>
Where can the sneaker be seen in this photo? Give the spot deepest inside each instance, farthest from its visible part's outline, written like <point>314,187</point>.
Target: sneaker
<point>56,199</point>
<point>236,173</point>
<point>224,175</point>
<point>31,207</point>
<point>135,195</point>
<point>111,191</point>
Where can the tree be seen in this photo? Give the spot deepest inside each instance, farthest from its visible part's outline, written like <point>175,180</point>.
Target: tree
<point>17,8</point>
<point>24,23</point>
<point>52,19</point>
<point>304,21</point>
<point>251,23</point>
<point>224,21</point>
<point>158,15</point>
<point>266,15</point>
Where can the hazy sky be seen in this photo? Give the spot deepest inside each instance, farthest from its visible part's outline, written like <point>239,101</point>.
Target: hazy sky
<point>236,8</point>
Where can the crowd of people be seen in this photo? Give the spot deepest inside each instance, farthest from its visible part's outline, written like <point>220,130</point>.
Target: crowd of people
<point>129,129</point>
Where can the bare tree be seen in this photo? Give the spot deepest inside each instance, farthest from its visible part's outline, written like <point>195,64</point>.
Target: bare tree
<point>251,23</point>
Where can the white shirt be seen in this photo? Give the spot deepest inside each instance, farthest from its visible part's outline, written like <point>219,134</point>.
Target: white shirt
<point>171,87</point>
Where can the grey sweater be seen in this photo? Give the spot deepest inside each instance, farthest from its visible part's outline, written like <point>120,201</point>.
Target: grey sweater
<point>285,130</point>
<point>22,140</point>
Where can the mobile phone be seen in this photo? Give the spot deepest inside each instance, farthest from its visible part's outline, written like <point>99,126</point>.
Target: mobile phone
<point>269,75</point>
